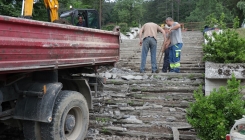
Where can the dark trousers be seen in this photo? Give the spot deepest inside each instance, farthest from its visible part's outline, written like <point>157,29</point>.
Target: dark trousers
<point>174,57</point>
<point>166,63</point>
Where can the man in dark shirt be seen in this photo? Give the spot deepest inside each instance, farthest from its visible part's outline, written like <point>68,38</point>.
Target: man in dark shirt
<point>80,22</point>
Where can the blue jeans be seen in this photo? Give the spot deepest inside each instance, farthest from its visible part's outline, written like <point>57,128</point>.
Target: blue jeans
<point>166,64</point>
<point>149,43</point>
<point>174,57</point>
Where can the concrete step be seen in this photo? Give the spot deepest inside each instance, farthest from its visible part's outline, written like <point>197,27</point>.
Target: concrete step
<point>148,64</point>
<point>183,62</point>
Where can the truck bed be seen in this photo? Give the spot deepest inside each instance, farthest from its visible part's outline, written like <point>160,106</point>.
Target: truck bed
<point>29,45</point>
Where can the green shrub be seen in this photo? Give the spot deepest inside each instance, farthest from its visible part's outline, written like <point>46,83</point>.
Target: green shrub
<point>213,116</point>
<point>226,47</point>
<point>124,27</point>
<point>134,24</point>
<point>109,27</point>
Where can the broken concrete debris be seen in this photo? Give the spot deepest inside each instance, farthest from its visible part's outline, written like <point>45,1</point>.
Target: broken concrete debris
<point>108,75</point>
<point>129,77</point>
<point>113,128</point>
<point>138,78</point>
<point>132,120</point>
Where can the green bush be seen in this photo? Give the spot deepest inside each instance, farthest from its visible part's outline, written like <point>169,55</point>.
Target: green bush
<point>124,27</point>
<point>213,116</point>
<point>226,47</point>
<point>109,27</point>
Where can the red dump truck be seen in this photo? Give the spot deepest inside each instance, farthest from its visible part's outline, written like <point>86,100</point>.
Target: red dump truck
<point>43,89</point>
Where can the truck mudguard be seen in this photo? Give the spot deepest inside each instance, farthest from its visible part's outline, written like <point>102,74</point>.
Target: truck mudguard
<point>79,85</point>
<point>37,108</point>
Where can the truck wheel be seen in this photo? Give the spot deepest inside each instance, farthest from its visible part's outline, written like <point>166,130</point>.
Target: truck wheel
<point>31,130</point>
<point>70,118</point>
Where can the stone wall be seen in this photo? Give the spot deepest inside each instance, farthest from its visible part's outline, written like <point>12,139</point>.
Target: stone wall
<point>217,74</point>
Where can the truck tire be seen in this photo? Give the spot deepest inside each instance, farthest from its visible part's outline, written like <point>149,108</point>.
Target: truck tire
<point>31,130</point>
<point>70,118</point>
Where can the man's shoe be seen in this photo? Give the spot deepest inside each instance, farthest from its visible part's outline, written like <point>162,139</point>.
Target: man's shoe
<point>164,71</point>
<point>157,71</point>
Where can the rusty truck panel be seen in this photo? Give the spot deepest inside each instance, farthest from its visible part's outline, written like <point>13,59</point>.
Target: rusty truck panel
<point>28,45</point>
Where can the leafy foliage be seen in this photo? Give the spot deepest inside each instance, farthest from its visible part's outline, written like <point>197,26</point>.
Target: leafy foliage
<point>109,27</point>
<point>123,27</point>
<point>10,7</point>
<point>207,7</point>
<point>241,5</point>
<point>129,11</point>
<point>213,116</point>
<point>158,10</point>
<point>134,12</point>
<point>211,21</point>
<point>224,47</point>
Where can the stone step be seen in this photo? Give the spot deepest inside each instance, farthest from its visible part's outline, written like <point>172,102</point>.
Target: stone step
<point>148,67</point>
<point>194,60</point>
<point>138,135</point>
<point>154,81</point>
<point>148,70</point>
<point>183,59</point>
<point>124,60</point>
<point>188,71</point>
<point>138,54</point>
<point>141,96</point>
<point>166,96</point>
<point>170,75</point>
<point>164,89</point>
<point>132,46</point>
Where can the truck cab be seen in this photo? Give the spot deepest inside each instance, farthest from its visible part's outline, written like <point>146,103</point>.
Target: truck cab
<point>90,17</point>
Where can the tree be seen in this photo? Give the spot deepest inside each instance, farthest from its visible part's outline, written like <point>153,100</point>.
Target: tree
<point>10,7</point>
<point>158,10</point>
<point>129,11</point>
<point>241,6</point>
<point>207,7</point>
<point>108,14</point>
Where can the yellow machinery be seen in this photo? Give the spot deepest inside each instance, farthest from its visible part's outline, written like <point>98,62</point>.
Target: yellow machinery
<point>51,5</point>
<point>162,25</point>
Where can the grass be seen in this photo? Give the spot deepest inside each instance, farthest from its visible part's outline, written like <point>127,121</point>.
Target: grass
<point>241,32</point>
<point>191,76</point>
<point>104,120</point>
<point>104,130</point>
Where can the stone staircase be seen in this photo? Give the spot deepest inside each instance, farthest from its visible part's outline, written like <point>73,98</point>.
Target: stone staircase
<point>191,58</point>
<point>148,106</point>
